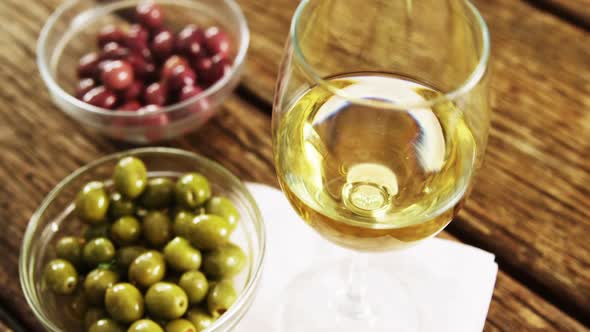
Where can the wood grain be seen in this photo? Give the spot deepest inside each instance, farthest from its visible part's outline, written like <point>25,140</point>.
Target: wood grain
<point>530,204</point>
<point>516,308</point>
<point>41,145</point>
<point>4,327</point>
<point>577,11</point>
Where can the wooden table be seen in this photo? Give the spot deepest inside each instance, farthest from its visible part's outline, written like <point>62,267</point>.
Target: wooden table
<point>531,205</point>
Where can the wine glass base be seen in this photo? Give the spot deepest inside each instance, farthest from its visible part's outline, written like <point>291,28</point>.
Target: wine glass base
<point>316,300</point>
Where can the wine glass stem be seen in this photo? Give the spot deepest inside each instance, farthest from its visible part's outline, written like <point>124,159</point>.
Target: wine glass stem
<point>355,304</point>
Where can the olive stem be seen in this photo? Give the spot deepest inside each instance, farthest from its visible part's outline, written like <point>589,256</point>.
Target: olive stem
<point>354,303</point>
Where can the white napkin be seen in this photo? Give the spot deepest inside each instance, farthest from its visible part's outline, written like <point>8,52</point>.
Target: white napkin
<point>450,283</point>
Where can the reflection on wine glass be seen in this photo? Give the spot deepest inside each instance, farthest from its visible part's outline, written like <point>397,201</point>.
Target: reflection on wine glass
<point>380,121</point>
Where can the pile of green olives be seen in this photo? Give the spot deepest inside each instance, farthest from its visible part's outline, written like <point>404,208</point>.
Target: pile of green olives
<point>156,254</point>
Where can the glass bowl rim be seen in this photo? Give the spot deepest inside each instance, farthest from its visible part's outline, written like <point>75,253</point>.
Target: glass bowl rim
<point>235,311</point>
<point>54,87</point>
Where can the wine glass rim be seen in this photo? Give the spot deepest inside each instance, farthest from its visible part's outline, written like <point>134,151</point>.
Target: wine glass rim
<point>467,85</point>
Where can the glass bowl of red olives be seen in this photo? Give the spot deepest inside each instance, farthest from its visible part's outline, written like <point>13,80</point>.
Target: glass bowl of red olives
<point>75,240</point>
<point>143,71</point>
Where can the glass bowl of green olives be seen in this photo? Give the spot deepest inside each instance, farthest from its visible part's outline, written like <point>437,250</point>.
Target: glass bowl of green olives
<point>151,239</point>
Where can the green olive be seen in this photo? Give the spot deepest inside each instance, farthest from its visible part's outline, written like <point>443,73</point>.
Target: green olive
<point>208,231</point>
<point>223,207</point>
<point>221,296</point>
<point>70,249</point>
<point>92,203</point>
<point>97,251</point>
<point>181,221</point>
<point>195,285</point>
<point>192,190</point>
<point>126,255</point>
<point>126,230</point>
<point>96,284</point>
<point>165,300</point>
<point>124,303</point>
<point>93,315</point>
<point>157,229</point>
<point>120,206</point>
<point>61,277</point>
<point>106,325</point>
<point>145,325</point>
<point>224,262</point>
<point>200,318</point>
<point>96,231</point>
<point>181,256</point>
<point>158,194</point>
<point>130,177</point>
<point>147,269</point>
<point>180,325</point>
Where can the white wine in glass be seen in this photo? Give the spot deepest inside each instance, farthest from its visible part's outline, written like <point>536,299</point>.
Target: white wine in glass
<point>371,177</point>
<point>380,122</point>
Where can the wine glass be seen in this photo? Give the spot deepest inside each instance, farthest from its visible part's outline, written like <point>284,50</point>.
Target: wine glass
<point>380,121</point>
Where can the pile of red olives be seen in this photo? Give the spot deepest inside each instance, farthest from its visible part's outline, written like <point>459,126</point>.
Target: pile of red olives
<point>156,255</point>
<point>145,65</point>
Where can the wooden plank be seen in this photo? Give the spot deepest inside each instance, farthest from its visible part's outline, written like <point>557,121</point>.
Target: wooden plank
<point>530,204</point>
<point>4,327</point>
<point>516,308</point>
<point>33,132</point>
<point>577,11</point>
<point>8,324</point>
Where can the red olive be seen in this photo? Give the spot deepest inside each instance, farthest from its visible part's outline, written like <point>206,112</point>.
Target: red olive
<point>155,120</point>
<point>136,38</point>
<point>133,91</point>
<point>217,42</point>
<point>143,69</point>
<point>152,120</point>
<point>149,14</point>
<point>196,50</point>
<point>132,105</point>
<point>84,85</point>
<point>163,44</point>
<point>190,34</point>
<point>100,97</point>
<point>156,133</point>
<point>189,91</point>
<point>88,65</point>
<point>109,33</point>
<point>181,76</point>
<point>172,62</point>
<point>202,64</point>
<point>113,51</point>
<point>155,94</point>
<point>211,69</point>
<point>117,74</point>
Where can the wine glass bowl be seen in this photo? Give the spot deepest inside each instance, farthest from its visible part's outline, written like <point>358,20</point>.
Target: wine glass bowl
<point>379,126</point>
<point>376,151</point>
